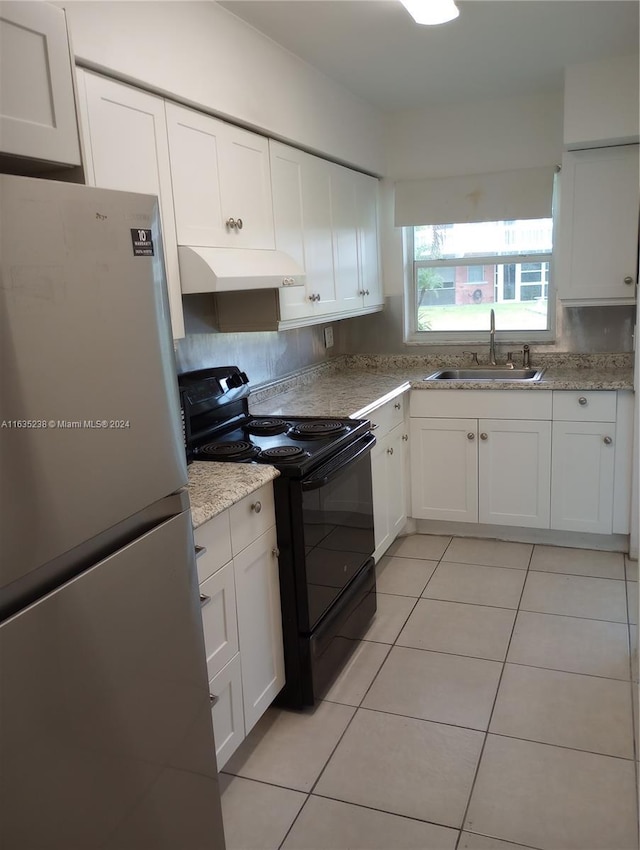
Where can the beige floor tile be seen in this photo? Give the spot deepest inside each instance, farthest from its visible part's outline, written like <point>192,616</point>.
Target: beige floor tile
<point>325,824</point>
<point>476,584</point>
<point>404,766</point>
<point>551,797</point>
<point>575,596</point>
<point>633,647</point>
<point>631,569</point>
<point>632,602</point>
<point>580,562</point>
<point>360,670</point>
<point>594,647</point>
<point>469,841</point>
<point>391,615</point>
<point>429,546</point>
<point>436,686</point>
<point>404,576</point>
<point>256,816</point>
<point>491,553</point>
<point>474,630</point>
<point>290,748</point>
<point>567,709</point>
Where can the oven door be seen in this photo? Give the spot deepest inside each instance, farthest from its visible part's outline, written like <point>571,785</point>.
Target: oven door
<point>337,521</point>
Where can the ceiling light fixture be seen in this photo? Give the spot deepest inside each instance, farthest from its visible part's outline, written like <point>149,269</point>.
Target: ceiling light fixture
<point>431,12</point>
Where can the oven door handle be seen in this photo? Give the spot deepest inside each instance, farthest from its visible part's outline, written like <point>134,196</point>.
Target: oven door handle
<point>337,465</point>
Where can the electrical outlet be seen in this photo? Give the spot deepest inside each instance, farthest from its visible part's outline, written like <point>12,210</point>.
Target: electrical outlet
<point>328,337</point>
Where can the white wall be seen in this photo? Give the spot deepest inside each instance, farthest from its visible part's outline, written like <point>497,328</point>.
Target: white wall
<point>475,138</point>
<point>203,55</point>
<point>601,103</point>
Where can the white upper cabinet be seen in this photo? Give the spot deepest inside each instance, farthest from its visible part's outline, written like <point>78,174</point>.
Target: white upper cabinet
<point>221,182</point>
<point>344,216</point>
<point>368,245</point>
<point>37,105</point>
<point>598,228</point>
<point>125,140</point>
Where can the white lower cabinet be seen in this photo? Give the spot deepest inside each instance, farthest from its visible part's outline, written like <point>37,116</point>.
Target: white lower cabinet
<point>481,470</point>
<point>389,472</point>
<point>241,615</point>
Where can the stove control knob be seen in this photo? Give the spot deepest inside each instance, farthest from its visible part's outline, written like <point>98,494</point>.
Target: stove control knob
<point>256,507</point>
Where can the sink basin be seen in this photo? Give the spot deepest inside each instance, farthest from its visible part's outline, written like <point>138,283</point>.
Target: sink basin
<point>487,373</point>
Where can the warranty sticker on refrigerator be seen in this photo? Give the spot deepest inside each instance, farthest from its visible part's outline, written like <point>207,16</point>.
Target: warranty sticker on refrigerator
<point>142,242</point>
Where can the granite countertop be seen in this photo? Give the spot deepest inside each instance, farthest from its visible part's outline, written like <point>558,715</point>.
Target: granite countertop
<point>214,487</point>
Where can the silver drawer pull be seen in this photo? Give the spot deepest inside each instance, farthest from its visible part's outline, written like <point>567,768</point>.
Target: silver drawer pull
<point>390,450</point>
<point>405,437</point>
<point>374,425</point>
<point>200,551</point>
<point>256,507</point>
<point>204,600</point>
<point>397,405</point>
<point>471,436</point>
<point>628,280</point>
<point>607,441</point>
<point>484,436</point>
<point>213,699</point>
<point>582,400</point>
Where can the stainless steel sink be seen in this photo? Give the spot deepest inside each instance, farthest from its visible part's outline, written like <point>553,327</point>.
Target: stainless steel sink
<point>487,373</point>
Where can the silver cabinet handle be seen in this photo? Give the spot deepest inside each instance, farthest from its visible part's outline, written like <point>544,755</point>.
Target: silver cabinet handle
<point>374,425</point>
<point>366,292</point>
<point>607,441</point>
<point>582,401</point>
<point>204,600</point>
<point>230,223</point>
<point>213,699</point>
<point>390,450</point>
<point>471,436</point>
<point>256,507</point>
<point>275,552</point>
<point>405,437</point>
<point>397,405</point>
<point>484,436</point>
<point>317,297</point>
<point>628,280</point>
<point>200,551</point>
<point>239,224</point>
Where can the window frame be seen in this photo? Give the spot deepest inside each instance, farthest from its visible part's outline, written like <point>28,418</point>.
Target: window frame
<point>413,336</point>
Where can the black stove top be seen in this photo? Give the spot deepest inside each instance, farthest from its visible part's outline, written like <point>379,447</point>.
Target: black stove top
<point>219,427</point>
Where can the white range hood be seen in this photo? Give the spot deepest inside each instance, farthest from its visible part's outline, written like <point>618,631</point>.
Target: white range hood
<point>234,269</point>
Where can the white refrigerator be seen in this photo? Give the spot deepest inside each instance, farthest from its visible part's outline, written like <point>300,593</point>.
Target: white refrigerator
<point>106,738</point>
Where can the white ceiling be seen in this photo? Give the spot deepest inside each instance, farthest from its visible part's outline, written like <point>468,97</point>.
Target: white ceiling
<point>494,49</point>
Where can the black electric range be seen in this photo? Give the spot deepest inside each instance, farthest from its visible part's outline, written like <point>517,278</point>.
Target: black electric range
<point>324,517</point>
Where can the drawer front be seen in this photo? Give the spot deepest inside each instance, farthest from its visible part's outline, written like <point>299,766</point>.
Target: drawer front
<point>227,711</point>
<point>251,517</point>
<point>482,404</point>
<point>215,539</point>
<point>219,619</point>
<point>570,406</point>
<point>386,417</point>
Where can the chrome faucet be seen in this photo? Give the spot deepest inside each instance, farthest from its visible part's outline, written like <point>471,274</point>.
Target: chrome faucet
<point>492,340</point>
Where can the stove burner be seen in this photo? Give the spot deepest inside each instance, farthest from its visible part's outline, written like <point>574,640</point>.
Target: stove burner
<point>237,450</point>
<point>283,453</point>
<point>321,428</point>
<point>267,427</point>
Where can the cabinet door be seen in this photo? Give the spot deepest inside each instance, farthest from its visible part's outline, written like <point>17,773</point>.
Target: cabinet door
<point>37,108</point>
<point>219,624</point>
<point>344,215</point>
<point>225,690</point>
<point>381,497</point>
<point>397,479</point>
<point>368,247</point>
<point>598,234</point>
<point>583,476</point>
<point>221,182</point>
<point>444,469</point>
<point>514,471</point>
<point>259,625</point>
<point>126,148</point>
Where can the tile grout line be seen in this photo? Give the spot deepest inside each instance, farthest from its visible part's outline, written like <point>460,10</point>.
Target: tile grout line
<point>495,699</point>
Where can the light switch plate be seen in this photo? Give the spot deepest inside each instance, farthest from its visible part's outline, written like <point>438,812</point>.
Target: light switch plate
<point>328,337</point>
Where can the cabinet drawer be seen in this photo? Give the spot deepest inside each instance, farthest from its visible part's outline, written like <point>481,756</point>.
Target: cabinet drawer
<point>482,404</point>
<point>584,406</point>
<point>251,517</point>
<point>227,711</point>
<point>219,619</point>
<point>214,537</point>
<point>387,416</point>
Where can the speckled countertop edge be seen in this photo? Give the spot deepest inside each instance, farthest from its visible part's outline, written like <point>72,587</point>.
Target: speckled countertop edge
<point>214,487</point>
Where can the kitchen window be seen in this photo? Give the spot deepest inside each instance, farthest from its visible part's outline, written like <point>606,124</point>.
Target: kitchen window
<point>462,271</point>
